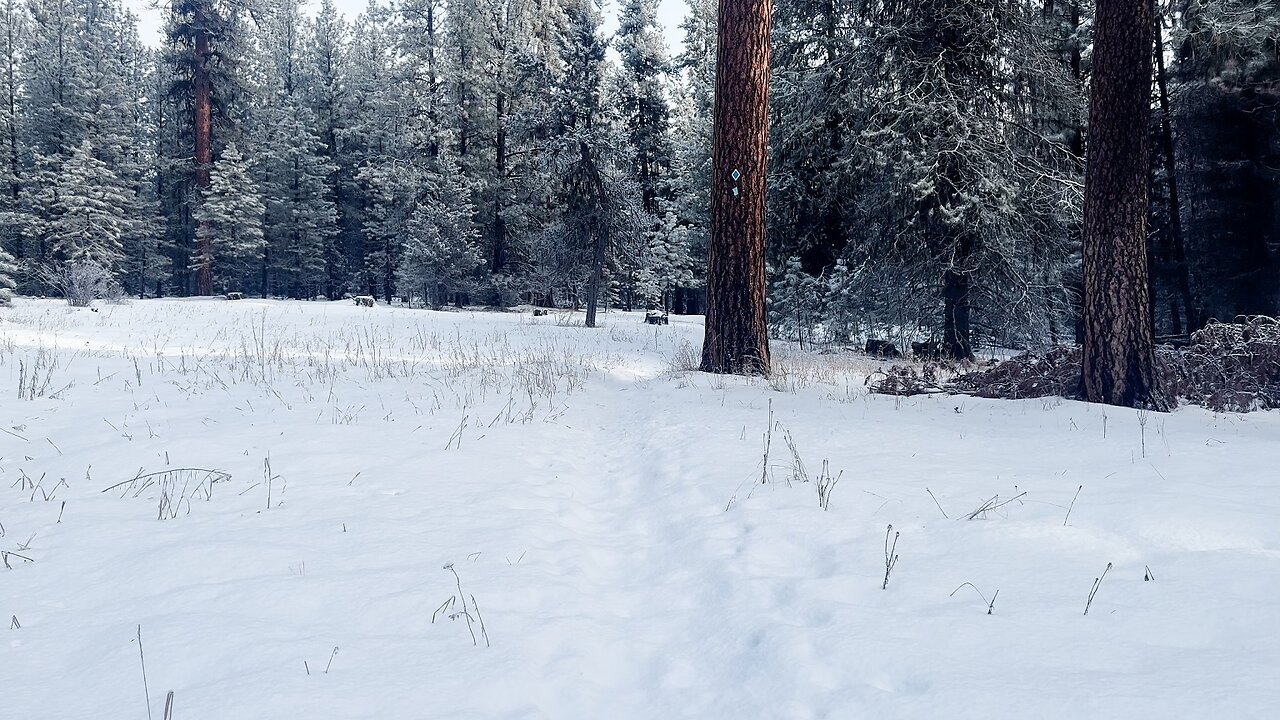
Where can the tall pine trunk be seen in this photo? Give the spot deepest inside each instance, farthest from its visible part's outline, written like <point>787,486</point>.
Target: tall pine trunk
<point>1118,355</point>
<point>203,146</point>
<point>736,340</point>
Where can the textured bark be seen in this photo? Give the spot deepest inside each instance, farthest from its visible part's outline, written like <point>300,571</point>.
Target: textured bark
<point>1118,365</point>
<point>203,126</point>
<point>736,340</point>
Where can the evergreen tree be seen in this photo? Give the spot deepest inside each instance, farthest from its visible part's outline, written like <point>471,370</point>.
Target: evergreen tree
<point>372,140</point>
<point>736,339</point>
<point>1226,80</point>
<point>442,245</point>
<point>328,49</point>
<point>294,171</point>
<point>643,98</point>
<point>1118,358</point>
<point>88,218</point>
<point>13,220</point>
<point>8,277</point>
<point>206,88</point>
<point>956,184</point>
<point>601,219</point>
<point>691,155</point>
<point>231,214</point>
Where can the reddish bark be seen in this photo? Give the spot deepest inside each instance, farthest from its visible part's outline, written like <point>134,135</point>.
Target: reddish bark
<point>736,340</point>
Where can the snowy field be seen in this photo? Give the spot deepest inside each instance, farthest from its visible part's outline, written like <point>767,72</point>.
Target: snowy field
<point>303,504</point>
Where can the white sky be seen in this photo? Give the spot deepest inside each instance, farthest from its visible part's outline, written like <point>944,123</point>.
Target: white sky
<point>670,13</point>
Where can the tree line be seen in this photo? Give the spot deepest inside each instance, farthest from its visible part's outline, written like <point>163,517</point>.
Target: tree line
<point>926,158</point>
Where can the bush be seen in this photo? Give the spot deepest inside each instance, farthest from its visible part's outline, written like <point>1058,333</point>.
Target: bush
<point>83,281</point>
<point>1227,367</point>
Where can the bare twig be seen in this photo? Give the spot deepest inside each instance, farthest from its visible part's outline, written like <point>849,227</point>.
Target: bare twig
<point>994,503</point>
<point>890,555</point>
<point>1097,583</point>
<point>1073,504</point>
<point>463,597</point>
<point>479,617</point>
<point>826,483</point>
<point>991,604</point>
<point>768,440</point>
<point>935,502</point>
<point>143,658</point>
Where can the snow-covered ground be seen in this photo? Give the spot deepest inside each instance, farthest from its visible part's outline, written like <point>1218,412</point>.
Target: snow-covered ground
<point>599,516</point>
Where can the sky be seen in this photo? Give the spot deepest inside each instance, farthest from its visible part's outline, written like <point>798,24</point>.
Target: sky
<point>670,13</point>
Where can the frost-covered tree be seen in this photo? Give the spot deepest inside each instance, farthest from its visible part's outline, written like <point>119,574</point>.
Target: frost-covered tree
<point>230,219</point>
<point>955,185</point>
<point>442,244</point>
<point>206,89</point>
<point>13,221</point>
<point>294,170</point>
<point>691,153</point>
<point>8,276</point>
<point>88,221</point>
<point>328,49</point>
<point>503,62</point>
<point>644,109</point>
<point>598,201</point>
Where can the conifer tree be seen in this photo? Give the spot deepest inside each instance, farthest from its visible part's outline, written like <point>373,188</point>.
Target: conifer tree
<point>8,277</point>
<point>736,340</point>
<point>88,216</point>
<point>231,214</point>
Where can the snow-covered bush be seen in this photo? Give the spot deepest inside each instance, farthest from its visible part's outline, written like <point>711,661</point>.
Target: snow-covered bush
<point>8,277</point>
<point>83,281</point>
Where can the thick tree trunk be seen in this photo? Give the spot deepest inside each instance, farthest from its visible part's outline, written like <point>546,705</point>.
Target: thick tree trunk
<point>1118,355</point>
<point>736,340</point>
<point>203,128</point>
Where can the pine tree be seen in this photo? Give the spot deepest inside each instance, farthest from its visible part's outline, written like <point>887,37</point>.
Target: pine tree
<point>502,65</point>
<point>1118,366</point>
<point>89,221</point>
<point>206,88</point>
<point>643,98</point>
<point>231,214</point>
<point>13,219</point>
<point>294,171</point>
<point>954,182</point>
<point>328,48</point>
<point>372,141</point>
<point>691,171</point>
<point>600,218</point>
<point>8,277</point>
<point>442,245</point>
<point>736,340</point>
<point>815,102</point>
<point>1226,78</point>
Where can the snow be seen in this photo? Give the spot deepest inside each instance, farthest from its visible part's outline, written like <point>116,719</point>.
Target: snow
<point>605,512</point>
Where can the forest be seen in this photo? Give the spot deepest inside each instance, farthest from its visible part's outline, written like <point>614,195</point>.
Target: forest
<point>925,163</point>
